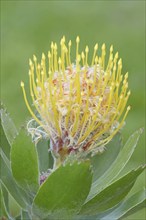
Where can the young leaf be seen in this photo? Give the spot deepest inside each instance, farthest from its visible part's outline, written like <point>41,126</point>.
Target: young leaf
<point>24,163</point>
<point>117,166</point>
<point>64,192</point>
<point>111,195</point>
<point>102,162</point>
<point>128,206</point>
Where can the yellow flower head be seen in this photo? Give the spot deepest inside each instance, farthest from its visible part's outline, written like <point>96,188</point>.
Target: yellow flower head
<point>80,106</point>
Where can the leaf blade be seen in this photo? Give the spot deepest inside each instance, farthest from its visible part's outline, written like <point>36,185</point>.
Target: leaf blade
<point>4,145</point>
<point>43,155</point>
<point>128,206</point>
<point>3,204</point>
<point>102,162</point>
<point>112,195</point>
<point>24,163</point>
<point>25,215</point>
<point>63,188</point>
<point>117,166</point>
<point>8,127</point>
<point>7,180</point>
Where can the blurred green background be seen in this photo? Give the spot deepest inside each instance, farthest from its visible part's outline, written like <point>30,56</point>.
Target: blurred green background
<point>28,27</point>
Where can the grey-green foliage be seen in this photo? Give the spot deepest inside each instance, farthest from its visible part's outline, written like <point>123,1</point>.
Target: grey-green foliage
<point>72,191</point>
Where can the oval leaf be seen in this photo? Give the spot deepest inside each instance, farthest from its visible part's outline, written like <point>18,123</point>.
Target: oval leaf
<point>64,192</point>
<point>111,195</point>
<point>24,163</point>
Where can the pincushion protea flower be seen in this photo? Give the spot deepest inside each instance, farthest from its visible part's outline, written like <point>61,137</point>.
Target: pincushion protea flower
<point>79,106</point>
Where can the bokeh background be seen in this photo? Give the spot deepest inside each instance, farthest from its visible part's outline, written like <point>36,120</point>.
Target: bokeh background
<point>28,27</point>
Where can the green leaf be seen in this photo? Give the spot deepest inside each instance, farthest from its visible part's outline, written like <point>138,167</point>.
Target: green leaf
<point>14,207</point>
<point>43,155</point>
<point>4,145</point>
<point>102,162</point>
<point>3,204</point>
<point>112,195</point>
<point>7,180</point>
<point>5,197</point>
<point>5,158</point>
<point>51,159</point>
<point>127,207</point>
<point>18,217</point>
<point>8,127</point>
<point>117,166</point>
<point>64,191</point>
<point>25,215</point>
<point>24,163</point>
